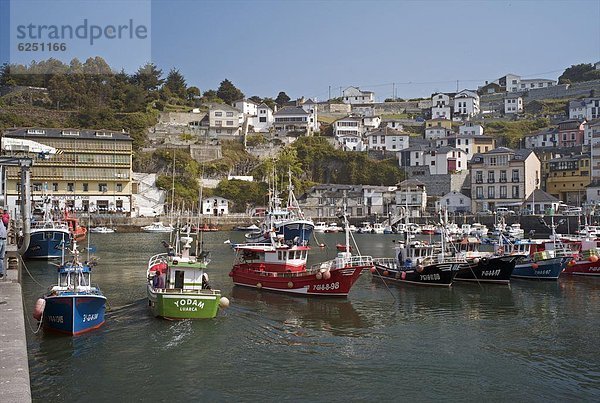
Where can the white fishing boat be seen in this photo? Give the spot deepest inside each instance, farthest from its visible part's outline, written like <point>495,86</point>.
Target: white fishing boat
<point>320,227</point>
<point>102,230</point>
<point>378,228</point>
<point>157,227</point>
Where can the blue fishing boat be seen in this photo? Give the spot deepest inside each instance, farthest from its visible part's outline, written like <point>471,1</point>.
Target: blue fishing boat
<point>73,306</point>
<point>47,240</point>
<point>545,269</point>
<point>535,263</point>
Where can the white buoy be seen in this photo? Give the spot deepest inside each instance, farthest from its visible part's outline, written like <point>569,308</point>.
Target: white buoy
<point>38,310</point>
<point>227,242</point>
<point>327,275</point>
<point>224,302</point>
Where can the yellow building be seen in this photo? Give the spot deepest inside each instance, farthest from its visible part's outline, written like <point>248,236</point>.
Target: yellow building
<point>92,170</point>
<point>439,122</point>
<point>568,178</point>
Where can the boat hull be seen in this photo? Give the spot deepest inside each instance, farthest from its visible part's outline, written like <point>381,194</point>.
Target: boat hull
<point>47,244</point>
<point>548,269</point>
<point>74,314</point>
<point>178,305</point>
<point>300,283</point>
<point>497,270</point>
<point>583,268</point>
<point>439,274</point>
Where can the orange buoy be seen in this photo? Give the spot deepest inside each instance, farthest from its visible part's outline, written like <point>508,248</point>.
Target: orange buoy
<point>373,270</point>
<point>38,310</point>
<point>572,263</point>
<point>386,273</point>
<point>327,275</point>
<point>319,276</point>
<point>420,268</point>
<point>290,284</point>
<point>258,285</point>
<point>593,259</point>
<point>535,266</point>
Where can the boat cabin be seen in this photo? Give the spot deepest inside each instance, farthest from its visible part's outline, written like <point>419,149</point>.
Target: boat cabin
<point>414,253</point>
<point>267,257</point>
<point>71,278</point>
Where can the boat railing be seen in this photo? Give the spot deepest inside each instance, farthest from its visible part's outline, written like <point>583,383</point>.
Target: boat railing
<point>186,291</point>
<point>157,259</point>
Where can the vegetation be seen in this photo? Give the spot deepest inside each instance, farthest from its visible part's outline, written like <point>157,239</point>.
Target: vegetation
<point>510,134</point>
<point>578,73</point>
<point>282,99</point>
<point>228,92</point>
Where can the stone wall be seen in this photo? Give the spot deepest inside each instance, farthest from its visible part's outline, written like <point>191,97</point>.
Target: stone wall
<point>438,185</point>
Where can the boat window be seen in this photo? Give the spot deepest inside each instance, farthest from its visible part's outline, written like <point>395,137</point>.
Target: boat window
<point>64,280</point>
<point>280,255</point>
<point>84,279</point>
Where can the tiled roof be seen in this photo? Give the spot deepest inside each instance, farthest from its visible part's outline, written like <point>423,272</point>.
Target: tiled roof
<point>102,134</point>
<point>291,110</point>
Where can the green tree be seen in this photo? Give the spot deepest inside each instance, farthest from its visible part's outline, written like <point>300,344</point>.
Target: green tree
<point>148,77</point>
<point>282,98</point>
<point>176,83</point>
<point>575,73</point>
<point>193,93</point>
<point>228,92</point>
<point>255,98</point>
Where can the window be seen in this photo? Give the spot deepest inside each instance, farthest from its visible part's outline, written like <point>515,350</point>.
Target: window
<point>479,192</point>
<point>503,192</point>
<point>479,177</point>
<point>460,201</point>
<point>229,123</point>
<point>515,192</point>
<point>85,187</point>
<point>432,162</point>
<point>55,187</point>
<point>102,187</point>
<point>218,113</point>
<point>70,187</point>
<point>502,176</point>
<point>119,187</point>
<point>37,187</point>
<point>491,178</point>
<point>515,175</point>
<point>218,123</point>
<point>229,114</point>
<point>262,119</point>
<point>491,192</point>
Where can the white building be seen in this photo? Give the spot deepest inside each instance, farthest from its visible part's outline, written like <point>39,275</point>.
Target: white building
<point>436,132</point>
<point>310,106</point>
<point>387,140</point>
<point>587,108</point>
<point>148,201</point>
<point>411,198</point>
<point>592,132</point>
<point>515,83</point>
<point>440,106</point>
<point>223,120</point>
<point>349,125</point>
<point>246,106</point>
<point>371,122</point>
<point>393,124</point>
<point>513,104</point>
<point>293,120</point>
<point>215,206</point>
<point>439,160</point>
<point>351,142</point>
<point>466,104</point>
<point>545,138</point>
<point>454,202</point>
<point>470,129</point>
<point>264,119</point>
<point>470,144</point>
<point>353,95</point>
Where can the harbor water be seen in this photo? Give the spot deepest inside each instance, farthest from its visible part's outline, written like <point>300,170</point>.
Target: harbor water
<point>532,340</point>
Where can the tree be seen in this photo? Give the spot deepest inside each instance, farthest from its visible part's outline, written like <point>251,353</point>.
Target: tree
<point>282,98</point>
<point>270,103</point>
<point>255,98</point>
<point>176,83</point>
<point>193,93</point>
<point>228,92</point>
<point>577,73</point>
<point>149,77</point>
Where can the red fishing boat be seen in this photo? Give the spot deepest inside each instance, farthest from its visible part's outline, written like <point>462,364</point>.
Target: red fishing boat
<point>77,231</point>
<point>276,266</point>
<point>587,261</point>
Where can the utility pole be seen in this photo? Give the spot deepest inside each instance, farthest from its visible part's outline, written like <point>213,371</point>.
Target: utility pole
<point>340,91</point>
<point>329,93</point>
<point>394,91</point>
<point>456,85</point>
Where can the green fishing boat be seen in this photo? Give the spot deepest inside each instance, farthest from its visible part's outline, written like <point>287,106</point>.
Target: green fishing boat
<point>178,286</point>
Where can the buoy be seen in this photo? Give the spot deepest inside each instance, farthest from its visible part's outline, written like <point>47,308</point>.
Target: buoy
<point>403,275</point>
<point>593,259</point>
<point>386,273</point>
<point>420,268</point>
<point>319,276</point>
<point>224,302</point>
<point>38,310</point>
<point>373,270</point>
<point>476,260</point>
<point>572,263</point>
<point>258,285</point>
<point>535,266</point>
<point>290,284</point>
<point>327,275</point>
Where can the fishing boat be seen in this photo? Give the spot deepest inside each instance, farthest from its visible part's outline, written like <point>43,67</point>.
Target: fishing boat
<point>535,263</point>
<point>47,240</point>
<point>158,227</point>
<point>320,227</point>
<point>483,267</point>
<point>277,266</point>
<point>73,306</point>
<point>479,230</point>
<point>586,259</point>
<point>289,222</point>
<point>177,284</point>
<point>428,229</point>
<point>333,228</point>
<point>365,228</point>
<point>252,227</point>
<point>78,232</point>
<point>378,228</point>
<point>102,230</point>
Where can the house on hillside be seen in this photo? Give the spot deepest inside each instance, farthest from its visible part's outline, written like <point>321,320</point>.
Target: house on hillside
<point>438,160</point>
<point>349,125</point>
<point>353,95</point>
<point>570,133</point>
<point>293,120</point>
<point>246,106</point>
<point>222,120</point>
<point>540,202</point>
<point>470,129</point>
<point>466,104</point>
<point>264,119</point>
<point>513,103</point>
<point>584,109</point>
<point>387,140</point>
<point>310,106</point>
<point>215,206</point>
<point>440,106</point>
<point>568,177</point>
<point>411,198</point>
<point>454,202</point>
<point>470,144</point>
<point>350,142</point>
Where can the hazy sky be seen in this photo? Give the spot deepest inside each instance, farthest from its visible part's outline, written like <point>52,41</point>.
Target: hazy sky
<point>303,47</point>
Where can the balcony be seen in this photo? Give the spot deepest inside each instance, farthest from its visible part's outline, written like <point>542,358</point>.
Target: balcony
<point>479,180</point>
<point>515,180</point>
<point>502,180</point>
<point>492,180</point>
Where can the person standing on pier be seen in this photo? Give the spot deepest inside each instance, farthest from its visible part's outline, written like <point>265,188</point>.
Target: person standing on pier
<point>2,247</point>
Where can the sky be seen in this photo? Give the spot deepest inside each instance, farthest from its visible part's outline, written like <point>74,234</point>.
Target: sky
<point>309,48</point>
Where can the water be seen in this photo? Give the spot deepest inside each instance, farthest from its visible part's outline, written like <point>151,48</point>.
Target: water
<point>530,341</point>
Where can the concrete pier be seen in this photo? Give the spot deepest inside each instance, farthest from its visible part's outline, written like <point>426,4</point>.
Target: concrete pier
<point>14,367</point>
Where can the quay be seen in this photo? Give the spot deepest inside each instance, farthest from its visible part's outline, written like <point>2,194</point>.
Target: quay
<point>14,367</point>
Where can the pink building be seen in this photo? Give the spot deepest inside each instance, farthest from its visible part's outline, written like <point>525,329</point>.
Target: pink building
<point>570,133</point>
